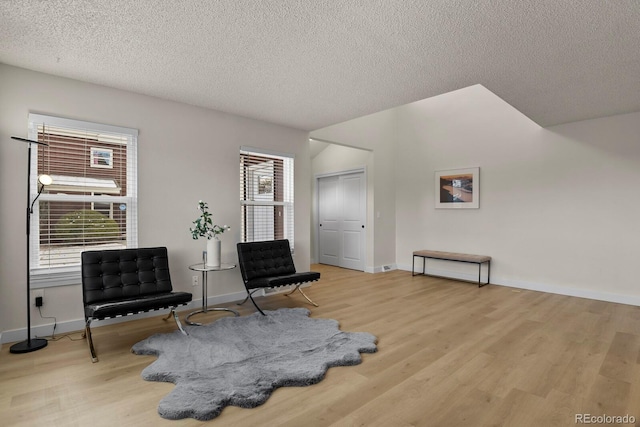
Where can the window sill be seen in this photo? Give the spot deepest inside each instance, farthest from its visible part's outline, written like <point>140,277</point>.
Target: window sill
<point>55,277</point>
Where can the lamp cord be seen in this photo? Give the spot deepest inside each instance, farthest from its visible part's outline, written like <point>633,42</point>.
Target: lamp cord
<point>55,323</point>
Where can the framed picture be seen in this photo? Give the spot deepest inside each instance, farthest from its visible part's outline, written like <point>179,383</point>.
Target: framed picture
<point>458,189</point>
<point>101,158</point>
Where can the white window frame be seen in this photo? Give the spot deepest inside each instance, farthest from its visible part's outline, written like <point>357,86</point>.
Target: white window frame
<point>289,190</point>
<point>43,277</point>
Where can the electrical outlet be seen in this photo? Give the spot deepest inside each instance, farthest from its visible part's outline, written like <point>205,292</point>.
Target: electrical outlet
<point>194,280</point>
<point>37,293</point>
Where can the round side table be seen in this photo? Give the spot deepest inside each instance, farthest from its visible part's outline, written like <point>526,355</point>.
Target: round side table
<point>205,269</point>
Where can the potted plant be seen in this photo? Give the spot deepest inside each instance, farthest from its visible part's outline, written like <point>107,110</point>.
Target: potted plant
<point>204,227</point>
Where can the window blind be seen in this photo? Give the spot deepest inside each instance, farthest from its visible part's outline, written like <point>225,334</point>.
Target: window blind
<point>266,195</point>
<point>92,201</point>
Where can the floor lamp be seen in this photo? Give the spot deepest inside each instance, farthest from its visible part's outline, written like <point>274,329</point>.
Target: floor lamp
<point>36,343</point>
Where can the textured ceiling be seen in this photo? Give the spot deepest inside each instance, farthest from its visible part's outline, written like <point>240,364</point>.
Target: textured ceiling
<point>310,64</point>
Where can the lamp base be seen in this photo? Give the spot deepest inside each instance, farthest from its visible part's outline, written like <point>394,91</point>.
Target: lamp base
<point>28,346</point>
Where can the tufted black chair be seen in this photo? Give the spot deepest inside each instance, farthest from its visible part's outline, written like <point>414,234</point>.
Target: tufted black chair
<point>268,265</point>
<point>124,282</point>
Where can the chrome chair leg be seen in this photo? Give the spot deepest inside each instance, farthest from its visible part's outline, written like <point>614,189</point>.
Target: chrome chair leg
<point>248,295</point>
<point>177,319</point>
<point>87,334</point>
<point>303,294</point>
<point>256,305</point>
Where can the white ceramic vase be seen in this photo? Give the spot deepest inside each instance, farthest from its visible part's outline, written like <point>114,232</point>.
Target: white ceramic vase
<point>213,252</point>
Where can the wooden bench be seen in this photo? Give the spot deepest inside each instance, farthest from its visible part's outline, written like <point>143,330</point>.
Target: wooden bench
<point>453,256</point>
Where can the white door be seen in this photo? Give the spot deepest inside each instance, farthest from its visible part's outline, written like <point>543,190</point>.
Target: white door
<point>328,216</point>
<point>342,214</point>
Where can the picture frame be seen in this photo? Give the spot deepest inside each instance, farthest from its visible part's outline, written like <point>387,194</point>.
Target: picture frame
<point>101,158</point>
<point>457,188</point>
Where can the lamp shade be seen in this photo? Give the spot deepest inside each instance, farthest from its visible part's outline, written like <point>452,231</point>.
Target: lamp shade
<point>45,179</point>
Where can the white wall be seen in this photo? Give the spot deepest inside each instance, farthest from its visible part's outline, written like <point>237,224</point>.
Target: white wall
<point>185,153</point>
<point>375,133</point>
<point>335,159</point>
<point>559,207</point>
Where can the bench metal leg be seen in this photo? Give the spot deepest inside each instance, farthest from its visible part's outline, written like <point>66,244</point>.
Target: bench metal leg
<point>424,272</point>
<point>413,265</point>
<point>488,274</point>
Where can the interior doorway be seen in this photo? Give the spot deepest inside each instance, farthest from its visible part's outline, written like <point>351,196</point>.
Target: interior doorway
<point>342,207</point>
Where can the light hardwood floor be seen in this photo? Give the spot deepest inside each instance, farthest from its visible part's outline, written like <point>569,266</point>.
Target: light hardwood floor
<point>449,354</point>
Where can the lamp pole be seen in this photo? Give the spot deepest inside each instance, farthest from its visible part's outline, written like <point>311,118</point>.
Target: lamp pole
<point>29,344</point>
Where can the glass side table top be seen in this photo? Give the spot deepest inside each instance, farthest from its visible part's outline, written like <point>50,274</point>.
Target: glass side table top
<point>202,267</point>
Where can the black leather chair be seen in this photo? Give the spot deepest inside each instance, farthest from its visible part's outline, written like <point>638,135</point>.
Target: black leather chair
<point>269,265</point>
<point>124,282</point>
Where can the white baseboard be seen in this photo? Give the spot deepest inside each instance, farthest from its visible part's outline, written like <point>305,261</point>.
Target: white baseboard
<point>77,325</point>
<point>540,287</point>
<point>572,292</point>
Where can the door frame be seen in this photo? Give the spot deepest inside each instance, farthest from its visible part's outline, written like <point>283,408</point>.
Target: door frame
<point>316,221</point>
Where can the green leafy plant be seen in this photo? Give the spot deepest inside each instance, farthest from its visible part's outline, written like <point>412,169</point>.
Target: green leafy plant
<point>86,225</point>
<point>204,226</point>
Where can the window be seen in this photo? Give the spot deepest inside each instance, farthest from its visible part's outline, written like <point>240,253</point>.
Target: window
<point>266,195</point>
<point>92,200</point>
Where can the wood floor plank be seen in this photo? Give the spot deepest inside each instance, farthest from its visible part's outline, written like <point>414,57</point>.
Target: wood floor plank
<point>449,354</point>
<point>621,358</point>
